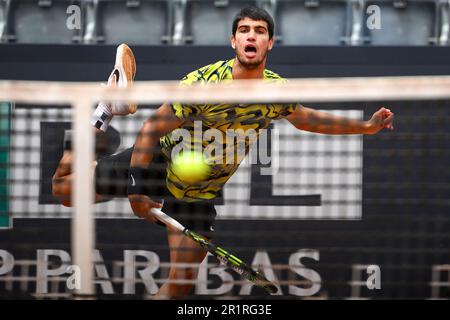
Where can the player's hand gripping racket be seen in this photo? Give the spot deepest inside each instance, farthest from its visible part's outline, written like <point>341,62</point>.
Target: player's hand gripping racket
<point>223,256</point>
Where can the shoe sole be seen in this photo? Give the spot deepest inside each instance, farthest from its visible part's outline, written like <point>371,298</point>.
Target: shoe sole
<point>126,63</point>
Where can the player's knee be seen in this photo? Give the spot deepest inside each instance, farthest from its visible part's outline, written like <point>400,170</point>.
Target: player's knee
<point>191,273</point>
<point>178,290</point>
<point>188,275</point>
<point>184,273</point>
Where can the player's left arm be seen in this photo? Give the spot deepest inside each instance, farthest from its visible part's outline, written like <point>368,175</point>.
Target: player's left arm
<point>308,119</point>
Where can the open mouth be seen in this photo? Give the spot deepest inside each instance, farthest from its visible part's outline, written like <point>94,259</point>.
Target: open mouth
<point>250,50</point>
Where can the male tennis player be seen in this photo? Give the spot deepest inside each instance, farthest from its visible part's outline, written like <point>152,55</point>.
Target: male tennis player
<point>134,171</point>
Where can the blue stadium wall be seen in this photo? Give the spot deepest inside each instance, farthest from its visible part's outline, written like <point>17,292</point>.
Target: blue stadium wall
<point>405,226</point>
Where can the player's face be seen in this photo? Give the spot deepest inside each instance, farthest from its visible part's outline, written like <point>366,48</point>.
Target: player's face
<point>251,42</point>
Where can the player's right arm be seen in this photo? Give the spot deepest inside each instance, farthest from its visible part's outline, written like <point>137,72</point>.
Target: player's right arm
<point>162,122</point>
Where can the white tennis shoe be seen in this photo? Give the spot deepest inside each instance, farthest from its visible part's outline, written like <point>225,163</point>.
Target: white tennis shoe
<point>122,76</point>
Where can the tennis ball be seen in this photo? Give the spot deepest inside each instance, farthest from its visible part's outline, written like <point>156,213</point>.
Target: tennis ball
<point>190,166</point>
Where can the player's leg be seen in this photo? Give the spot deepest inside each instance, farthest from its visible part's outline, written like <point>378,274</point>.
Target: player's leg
<point>110,177</point>
<point>182,251</point>
<point>62,180</point>
<point>122,76</point>
<point>106,143</point>
<point>197,216</point>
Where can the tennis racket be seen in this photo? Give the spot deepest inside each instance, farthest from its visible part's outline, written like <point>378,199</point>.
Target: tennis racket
<point>226,258</point>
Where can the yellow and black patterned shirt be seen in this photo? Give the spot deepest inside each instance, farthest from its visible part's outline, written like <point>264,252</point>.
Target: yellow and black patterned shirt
<point>215,120</point>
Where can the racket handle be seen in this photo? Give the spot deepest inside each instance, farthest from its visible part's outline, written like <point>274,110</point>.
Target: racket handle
<point>168,221</point>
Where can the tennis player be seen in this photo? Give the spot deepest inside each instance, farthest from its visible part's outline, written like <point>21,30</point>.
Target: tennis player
<point>135,171</point>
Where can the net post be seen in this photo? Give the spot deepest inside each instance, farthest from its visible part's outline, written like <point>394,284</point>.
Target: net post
<point>83,223</point>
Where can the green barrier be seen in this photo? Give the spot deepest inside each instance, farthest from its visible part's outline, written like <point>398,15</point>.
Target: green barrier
<point>5,117</point>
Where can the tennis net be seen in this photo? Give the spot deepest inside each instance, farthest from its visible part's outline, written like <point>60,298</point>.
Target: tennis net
<point>322,216</point>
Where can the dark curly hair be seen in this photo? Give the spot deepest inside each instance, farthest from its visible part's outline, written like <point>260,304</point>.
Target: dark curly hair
<point>254,13</point>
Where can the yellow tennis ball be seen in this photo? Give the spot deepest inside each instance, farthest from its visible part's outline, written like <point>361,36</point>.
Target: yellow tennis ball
<point>190,167</point>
